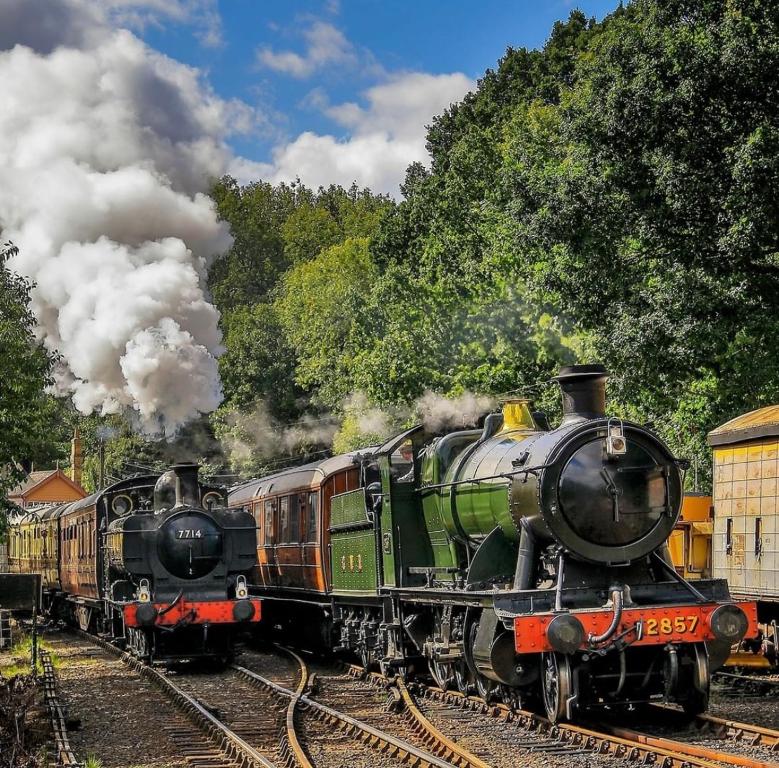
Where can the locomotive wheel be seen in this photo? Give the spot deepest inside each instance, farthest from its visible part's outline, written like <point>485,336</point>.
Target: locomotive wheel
<point>556,684</point>
<point>697,700</point>
<point>485,688</point>
<point>463,678</point>
<point>443,674</point>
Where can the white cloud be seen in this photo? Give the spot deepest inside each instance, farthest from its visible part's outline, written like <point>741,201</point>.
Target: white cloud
<point>202,15</point>
<point>385,136</point>
<point>325,45</point>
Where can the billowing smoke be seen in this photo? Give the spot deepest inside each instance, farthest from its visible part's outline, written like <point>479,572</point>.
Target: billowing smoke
<point>106,151</point>
<point>439,413</point>
<point>372,420</point>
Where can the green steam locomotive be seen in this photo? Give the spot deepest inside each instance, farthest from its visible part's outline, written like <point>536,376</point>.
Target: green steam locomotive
<point>519,561</point>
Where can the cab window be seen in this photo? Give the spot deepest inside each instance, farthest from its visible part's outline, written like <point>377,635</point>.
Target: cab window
<point>402,462</point>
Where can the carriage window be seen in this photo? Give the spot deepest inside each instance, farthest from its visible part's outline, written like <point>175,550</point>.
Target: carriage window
<point>729,536</point>
<point>312,518</point>
<point>284,520</point>
<point>258,520</point>
<point>294,518</point>
<point>270,509</point>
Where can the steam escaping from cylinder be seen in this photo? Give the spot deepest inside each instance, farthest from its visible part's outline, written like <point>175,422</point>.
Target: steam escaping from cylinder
<point>106,151</point>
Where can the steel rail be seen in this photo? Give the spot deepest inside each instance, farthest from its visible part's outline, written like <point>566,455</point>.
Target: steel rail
<point>65,755</point>
<point>618,742</point>
<point>575,736</point>
<point>756,683</point>
<point>372,737</point>
<point>579,737</point>
<point>228,742</point>
<point>755,735</point>
<point>437,741</point>
<point>733,730</point>
<point>298,754</point>
<point>704,753</point>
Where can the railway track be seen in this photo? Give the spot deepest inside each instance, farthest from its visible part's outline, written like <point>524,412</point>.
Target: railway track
<point>760,744</point>
<point>204,740</point>
<point>392,749</point>
<point>65,757</point>
<point>754,735</point>
<point>732,684</point>
<point>310,721</point>
<point>254,722</point>
<point>710,740</point>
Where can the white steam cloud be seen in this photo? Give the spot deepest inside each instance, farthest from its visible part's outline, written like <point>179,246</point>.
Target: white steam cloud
<point>439,413</point>
<point>106,151</point>
<point>252,436</point>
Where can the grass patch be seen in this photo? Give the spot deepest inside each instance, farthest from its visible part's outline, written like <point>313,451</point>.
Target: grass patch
<point>20,657</point>
<point>93,762</point>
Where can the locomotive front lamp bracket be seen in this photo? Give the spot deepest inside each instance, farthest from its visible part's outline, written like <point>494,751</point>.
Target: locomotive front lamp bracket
<point>241,591</point>
<point>616,445</point>
<point>144,591</point>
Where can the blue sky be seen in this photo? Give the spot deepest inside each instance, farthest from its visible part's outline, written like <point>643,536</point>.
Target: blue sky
<point>343,88</point>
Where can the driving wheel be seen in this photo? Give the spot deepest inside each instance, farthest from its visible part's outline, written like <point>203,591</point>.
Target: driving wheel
<point>443,674</point>
<point>556,685</point>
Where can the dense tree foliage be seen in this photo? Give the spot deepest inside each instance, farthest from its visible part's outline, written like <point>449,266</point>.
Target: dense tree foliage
<point>290,290</point>
<point>25,369</point>
<point>319,301</point>
<point>623,183</point>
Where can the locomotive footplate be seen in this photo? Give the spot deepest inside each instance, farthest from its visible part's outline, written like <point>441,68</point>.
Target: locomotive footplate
<point>183,612</point>
<point>645,625</point>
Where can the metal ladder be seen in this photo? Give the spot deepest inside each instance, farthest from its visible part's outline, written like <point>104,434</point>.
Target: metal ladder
<point>5,629</point>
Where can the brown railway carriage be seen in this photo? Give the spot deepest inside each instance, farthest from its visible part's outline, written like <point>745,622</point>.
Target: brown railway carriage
<point>79,566</point>
<point>60,543</point>
<point>33,544</point>
<point>292,512</point>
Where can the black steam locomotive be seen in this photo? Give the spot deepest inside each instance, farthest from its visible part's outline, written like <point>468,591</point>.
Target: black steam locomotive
<point>155,560</point>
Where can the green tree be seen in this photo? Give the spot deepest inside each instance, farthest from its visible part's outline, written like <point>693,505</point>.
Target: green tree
<point>620,188</point>
<point>25,371</point>
<point>647,203</point>
<point>318,303</point>
<point>256,214</point>
<point>259,362</point>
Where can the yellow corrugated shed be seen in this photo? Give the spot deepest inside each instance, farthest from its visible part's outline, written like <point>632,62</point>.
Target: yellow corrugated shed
<point>764,422</point>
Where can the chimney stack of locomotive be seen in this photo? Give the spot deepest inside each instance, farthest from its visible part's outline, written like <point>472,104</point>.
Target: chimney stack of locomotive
<point>584,392</point>
<point>187,487</point>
